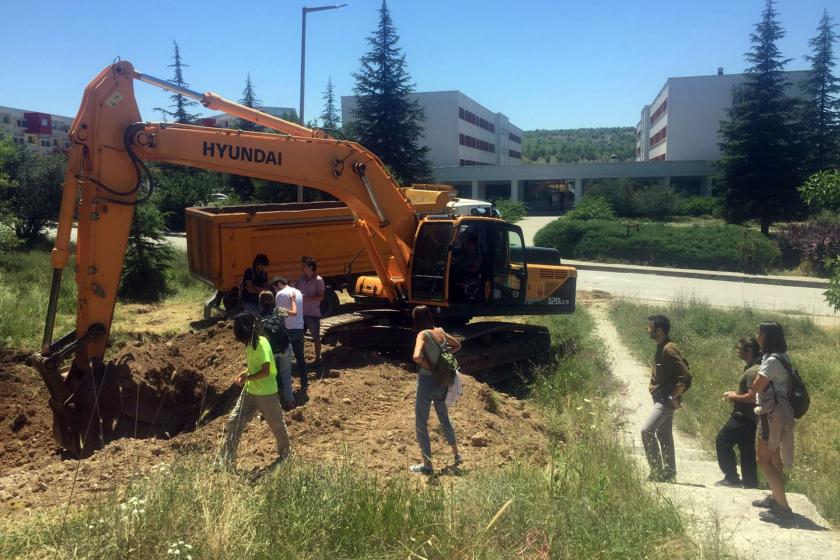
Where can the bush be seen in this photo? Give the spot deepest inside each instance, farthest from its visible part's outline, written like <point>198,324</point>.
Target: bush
<point>698,206</point>
<point>814,242</point>
<point>147,258</point>
<point>511,210</point>
<point>637,198</point>
<point>657,202</point>
<point>179,187</point>
<point>592,207</point>
<point>723,247</point>
<point>30,189</point>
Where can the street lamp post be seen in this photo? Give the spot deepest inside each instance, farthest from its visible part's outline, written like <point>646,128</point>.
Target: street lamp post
<point>305,11</point>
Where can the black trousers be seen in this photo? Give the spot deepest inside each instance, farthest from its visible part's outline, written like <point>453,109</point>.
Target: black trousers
<point>738,431</point>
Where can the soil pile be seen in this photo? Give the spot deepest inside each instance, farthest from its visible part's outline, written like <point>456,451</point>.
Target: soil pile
<point>360,409</point>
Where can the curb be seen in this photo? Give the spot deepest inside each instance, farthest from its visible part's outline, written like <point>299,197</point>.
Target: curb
<point>793,281</point>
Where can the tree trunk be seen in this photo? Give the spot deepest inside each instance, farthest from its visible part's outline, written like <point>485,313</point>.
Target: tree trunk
<point>765,226</point>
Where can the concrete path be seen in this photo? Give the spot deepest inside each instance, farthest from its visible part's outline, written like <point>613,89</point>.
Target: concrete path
<point>717,515</point>
<point>532,224</point>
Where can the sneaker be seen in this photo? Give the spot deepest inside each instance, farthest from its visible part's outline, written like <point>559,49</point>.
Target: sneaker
<point>767,502</point>
<point>458,459</point>
<point>777,514</point>
<point>420,468</point>
<point>729,483</point>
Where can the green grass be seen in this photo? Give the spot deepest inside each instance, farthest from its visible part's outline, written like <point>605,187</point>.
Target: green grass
<point>25,277</point>
<point>588,502</point>
<point>707,337</point>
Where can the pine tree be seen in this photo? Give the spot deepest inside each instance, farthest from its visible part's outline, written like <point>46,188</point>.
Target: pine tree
<point>760,149</point>
<point>386,120</point>
<point>148,257</point>
<point>249,99</point>
<point>329,117</point>
<point>180,107</point>
<point>821,115</point>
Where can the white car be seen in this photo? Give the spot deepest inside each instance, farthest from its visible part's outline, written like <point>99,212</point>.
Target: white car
<point>470,207</point>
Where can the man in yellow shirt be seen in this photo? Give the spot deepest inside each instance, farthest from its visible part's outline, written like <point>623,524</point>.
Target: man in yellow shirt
<point>259,391</point>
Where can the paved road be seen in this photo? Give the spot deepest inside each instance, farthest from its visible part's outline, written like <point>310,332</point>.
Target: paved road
<point>715,292</point>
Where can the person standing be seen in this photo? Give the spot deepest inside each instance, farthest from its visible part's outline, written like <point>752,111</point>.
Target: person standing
<point>670,377</point>
<point>312,288</point>
<point>740,428</point>
<point>254,280</point>
<point>290,298</point>
<point>274,327</point>
<point>259,392</point>
<point>428,346</point>
<point>774,448</point>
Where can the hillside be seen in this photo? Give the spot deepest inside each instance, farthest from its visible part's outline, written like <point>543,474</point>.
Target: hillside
<point>579,144</point>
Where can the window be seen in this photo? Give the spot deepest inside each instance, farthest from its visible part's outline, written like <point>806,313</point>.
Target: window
<point>659,111</point>
<point>44,122</point>
<point>472,118</point>
<point>6,119</point>
<point>514,154</point>
<point>658,158</point>
<point>659,137</point>
<point>21,123</point>
<point>55,142</point>
<point>472,142</point>
<point>45,143</point>
<point>19,141</point>
<point>471,163</point>
<point>67,145</point>
<point>514,138</point>
<point>30,139</point>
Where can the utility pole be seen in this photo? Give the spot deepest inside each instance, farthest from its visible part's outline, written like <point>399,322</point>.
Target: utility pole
<point>305,11</point>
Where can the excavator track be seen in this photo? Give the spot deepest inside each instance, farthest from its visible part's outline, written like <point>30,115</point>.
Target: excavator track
<point>492,351</point>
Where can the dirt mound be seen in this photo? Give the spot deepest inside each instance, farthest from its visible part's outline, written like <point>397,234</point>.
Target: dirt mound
<point>360,408</point>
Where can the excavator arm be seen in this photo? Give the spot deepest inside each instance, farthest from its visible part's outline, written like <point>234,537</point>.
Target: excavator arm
<point>106,168</point>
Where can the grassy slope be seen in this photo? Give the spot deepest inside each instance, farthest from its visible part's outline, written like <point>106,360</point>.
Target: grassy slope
<point>579,144</point>
<point>24,292</point>
<point>707,337</point>
<point>589,502</point>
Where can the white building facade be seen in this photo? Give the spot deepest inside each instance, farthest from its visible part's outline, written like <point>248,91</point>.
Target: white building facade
<point>42,132</point>
<point>683,120</point>
<point>223,120</point>
<point>460,132</point>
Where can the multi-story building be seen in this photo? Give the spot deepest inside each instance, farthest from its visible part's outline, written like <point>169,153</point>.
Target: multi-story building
<point>42,132</point>
<point>460,132</point>
<point>223,120</point>
<point>683,120</point>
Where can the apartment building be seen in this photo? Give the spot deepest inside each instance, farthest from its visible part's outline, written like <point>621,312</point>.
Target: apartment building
<point>682,121</point>
<point>459,131</point>
<point>41,132</point>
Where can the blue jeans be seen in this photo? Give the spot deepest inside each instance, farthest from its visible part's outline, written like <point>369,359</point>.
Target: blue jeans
<point>284,369</point>
<point>428,393</point>
<point>296,342</point>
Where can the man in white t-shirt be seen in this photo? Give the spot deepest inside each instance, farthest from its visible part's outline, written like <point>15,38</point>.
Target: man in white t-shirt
<point>291,298</point>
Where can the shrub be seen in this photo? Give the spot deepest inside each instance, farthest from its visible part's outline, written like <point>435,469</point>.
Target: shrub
<point>698,206</point>
<point>657,202</point>
<point>511,210</point>
<point>148,257</point>
<point>30,190</point>
<point>721,247</point>
<point>179,187</point>
<point>592,207</point>
<point>814,243</point>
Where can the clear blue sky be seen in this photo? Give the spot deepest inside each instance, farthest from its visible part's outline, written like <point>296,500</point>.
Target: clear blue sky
<point>545,64</point>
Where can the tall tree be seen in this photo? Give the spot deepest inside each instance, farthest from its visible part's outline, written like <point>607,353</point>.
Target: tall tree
<point>249,99</point>
<point>821,115</point>
<point>760,150</point>
<point>148,257</point>
<point>329,116</point>
<point>181,106</point>
<point>386,120</point>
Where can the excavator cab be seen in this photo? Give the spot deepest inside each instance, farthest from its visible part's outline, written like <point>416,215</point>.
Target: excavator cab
<point>469,264</point>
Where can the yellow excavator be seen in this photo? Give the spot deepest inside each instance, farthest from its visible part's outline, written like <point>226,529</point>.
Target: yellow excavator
<point>463,267</point>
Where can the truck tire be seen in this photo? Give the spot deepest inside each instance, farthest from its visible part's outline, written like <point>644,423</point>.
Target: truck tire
<point>330,303</point>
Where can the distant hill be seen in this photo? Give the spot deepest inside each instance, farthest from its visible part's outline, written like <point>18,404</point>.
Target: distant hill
<point>579,144</point>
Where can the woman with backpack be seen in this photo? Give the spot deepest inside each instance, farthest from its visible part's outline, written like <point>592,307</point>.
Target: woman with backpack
<point>774,446</point>
<point>259,391</point>
<point>430,343</point>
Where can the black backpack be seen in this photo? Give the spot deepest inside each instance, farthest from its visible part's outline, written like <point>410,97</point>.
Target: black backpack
<point>798,395</point>
<point>275,331</point>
